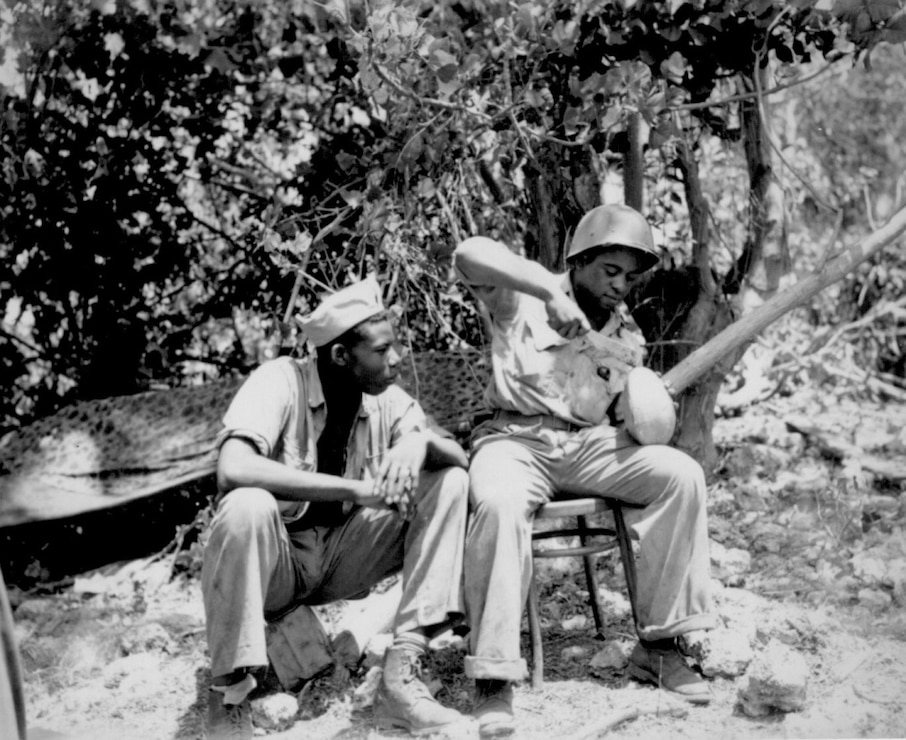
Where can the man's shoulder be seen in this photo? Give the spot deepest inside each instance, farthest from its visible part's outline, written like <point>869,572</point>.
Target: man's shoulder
<point>390,404</point>
<point>285,373</point>
<point>394,396</point>
<point>285,365</point>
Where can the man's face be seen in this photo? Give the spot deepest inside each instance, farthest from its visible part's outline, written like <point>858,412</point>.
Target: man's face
<point>605,281</point>
<point>374,361</point>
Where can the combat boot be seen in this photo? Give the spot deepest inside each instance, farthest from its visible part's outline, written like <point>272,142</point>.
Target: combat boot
<point>663,665</point>
<point>403,701</point>
<point>494,708</point>
<point>228,721</point>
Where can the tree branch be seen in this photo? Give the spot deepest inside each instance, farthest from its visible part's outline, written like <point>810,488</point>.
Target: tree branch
<point>770,139</point>
<point>483,117</point>
<point>28,345</point>
<point>744,330</point>
<point>429,101</point>
<point>751,95</point>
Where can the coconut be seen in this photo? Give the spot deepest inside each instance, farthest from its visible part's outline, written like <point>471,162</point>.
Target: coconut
<point>647,408</point>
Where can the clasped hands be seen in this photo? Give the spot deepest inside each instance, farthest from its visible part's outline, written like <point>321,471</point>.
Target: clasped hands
<point>396,481</point>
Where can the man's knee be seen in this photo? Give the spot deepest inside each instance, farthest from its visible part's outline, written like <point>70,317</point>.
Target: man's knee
<point>449,487</point>
<point>455,482</point>
<point>498,500</point>
<point>245,510</point>
<point>678,471</point>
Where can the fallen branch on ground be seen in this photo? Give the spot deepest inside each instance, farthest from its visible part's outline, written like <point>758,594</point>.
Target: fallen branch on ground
<point>601,727</point>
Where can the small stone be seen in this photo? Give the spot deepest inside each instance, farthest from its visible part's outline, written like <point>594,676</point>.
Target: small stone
<point>34,610</point>
<point>777,681</point>
<point>577,622</point>
<point>869,569</point>
<point>275,711</point>
<point>145,638</point>
<point>614,603</point>
<point>728,565</point>
<point>132,669</point>
<point>573,652</point>
<point>874,598</point>
<point>614,655</point>
<point>787,634</point>
<point>719,652</point>
<point>742,610</point>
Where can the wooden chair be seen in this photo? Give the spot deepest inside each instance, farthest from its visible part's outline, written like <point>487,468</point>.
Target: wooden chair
<point>590,545</point>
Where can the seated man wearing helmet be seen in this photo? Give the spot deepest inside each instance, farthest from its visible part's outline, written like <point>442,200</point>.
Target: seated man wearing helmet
<point>561,352</point>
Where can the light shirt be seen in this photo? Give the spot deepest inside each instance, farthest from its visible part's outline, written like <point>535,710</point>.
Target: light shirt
<point>536,371</point>
<point>281,410</point>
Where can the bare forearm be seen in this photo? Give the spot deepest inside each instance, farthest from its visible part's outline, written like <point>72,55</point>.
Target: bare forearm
<point>242,469</point>
<point>486,263</point>
<point>489,262</point>
<point>442,452</point>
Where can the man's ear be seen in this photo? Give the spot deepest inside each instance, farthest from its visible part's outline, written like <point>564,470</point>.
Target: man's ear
<point>339,355</point>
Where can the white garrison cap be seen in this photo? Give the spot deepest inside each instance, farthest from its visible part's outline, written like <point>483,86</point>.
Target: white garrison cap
<point>341,311</point>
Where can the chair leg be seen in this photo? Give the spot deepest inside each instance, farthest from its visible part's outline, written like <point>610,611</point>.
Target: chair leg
<point>591,579</point>
<point>534,622</point>
<point>628,558</point>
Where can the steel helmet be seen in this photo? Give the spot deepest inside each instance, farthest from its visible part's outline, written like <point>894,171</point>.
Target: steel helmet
<point>614,226</point>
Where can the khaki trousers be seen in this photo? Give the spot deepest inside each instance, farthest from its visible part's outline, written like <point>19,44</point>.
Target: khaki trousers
<point>254,568</point>
<point>515,469</point>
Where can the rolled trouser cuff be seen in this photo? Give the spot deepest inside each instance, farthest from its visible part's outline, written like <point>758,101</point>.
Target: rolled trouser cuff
<point>501,670</point>
<point>689,624</point>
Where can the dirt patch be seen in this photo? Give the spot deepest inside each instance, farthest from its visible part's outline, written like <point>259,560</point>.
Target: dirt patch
<point>123,656</point>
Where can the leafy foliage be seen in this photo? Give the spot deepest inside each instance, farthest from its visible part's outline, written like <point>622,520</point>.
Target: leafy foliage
<point>215,165</point>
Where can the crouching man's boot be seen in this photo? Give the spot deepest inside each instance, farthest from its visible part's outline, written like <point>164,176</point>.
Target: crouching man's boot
<point>403,701</point>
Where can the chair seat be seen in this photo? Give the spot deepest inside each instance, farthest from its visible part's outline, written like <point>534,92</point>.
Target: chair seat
<point>572,507</point>
<point>575,507</point>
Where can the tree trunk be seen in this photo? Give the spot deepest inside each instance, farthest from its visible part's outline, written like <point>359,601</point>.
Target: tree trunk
<point>677,316</point>
<point>678,311</point>
<point>765,258</point>
<point>562,186</point>
<point>689,321</point>
<point>634,166</point>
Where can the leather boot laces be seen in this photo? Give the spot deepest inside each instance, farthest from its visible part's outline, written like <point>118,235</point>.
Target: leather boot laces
<point>413,676</point>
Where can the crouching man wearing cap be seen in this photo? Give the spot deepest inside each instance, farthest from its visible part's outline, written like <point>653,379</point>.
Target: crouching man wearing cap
<point>562,351</point>
<point>330,481</point>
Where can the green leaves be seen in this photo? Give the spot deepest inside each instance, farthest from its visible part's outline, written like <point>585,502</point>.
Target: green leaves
<point>674,67</point>
<point>445,66</point>
<point>258,138</point>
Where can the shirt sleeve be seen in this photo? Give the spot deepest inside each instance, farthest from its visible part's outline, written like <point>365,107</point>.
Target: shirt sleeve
<point>260,410</point>
<point>407,414</point>
<point>502,303</point>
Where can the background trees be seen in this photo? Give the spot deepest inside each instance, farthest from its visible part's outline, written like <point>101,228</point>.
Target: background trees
<point>179,179</point>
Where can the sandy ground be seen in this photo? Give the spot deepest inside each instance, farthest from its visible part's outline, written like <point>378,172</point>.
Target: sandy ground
<point>121,655</point>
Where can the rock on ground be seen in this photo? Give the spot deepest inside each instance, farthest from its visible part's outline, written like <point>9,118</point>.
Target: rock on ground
<point>777,681</point>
